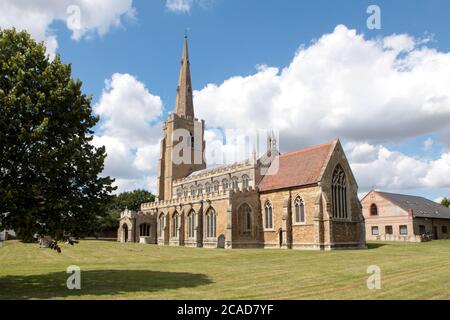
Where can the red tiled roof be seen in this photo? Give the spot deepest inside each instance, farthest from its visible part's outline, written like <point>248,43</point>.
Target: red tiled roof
<point>298,168</point>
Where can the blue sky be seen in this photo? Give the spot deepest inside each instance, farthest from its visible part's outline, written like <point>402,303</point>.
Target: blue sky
<point>231,38</point>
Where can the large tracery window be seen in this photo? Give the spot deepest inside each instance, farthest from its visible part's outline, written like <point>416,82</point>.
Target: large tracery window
<point>268,216</point>
<point>235,184</point>
<point>191,224</point>
<point>162,224</point>
<point>245,217</point>
<point>211,223</point>
<point>299,210</point>
<point>245,181</point>
<point>225,184</point>
<point>216,186</point>
<point>339,194</point>
<point>176,225</point>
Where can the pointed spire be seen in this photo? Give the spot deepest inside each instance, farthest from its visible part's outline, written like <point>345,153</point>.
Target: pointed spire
<point>184,105</point>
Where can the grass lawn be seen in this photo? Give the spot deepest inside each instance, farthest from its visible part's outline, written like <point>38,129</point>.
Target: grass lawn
<point>111,270</point>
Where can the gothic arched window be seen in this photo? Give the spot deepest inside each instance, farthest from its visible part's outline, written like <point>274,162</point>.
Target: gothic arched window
<point>179,193</point>
<point>234,184</point>
<point>199,189</point>
<point>225,184</point>
<point>299,206</point>
<point>175,225</point>
<point>339,194</point>
<point>192,191</point>
<point>162,224</point>
<point>216,185</point>
<point>208,188</point>
<point>185,192</point>
<point>211,223</point>
<point>245,217</point>
<point>191,224</point>
<point>245,181</point>
<point>268,215</point>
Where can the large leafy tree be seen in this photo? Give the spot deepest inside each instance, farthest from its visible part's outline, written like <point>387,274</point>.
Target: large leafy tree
<point>50,183</point>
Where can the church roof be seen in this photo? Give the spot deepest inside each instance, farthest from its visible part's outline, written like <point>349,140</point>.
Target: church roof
<point>218,169</point>
<point>421,207</point>
<point>298,168</point>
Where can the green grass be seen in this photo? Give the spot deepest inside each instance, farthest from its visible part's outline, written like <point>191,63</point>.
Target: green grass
<point>111,270</point>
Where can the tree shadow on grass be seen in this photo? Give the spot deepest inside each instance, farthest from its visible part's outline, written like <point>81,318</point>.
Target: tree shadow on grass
<point>376,245</point>
<point>97,282</point>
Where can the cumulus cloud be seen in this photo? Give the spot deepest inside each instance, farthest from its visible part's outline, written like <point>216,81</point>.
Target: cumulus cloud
<point>377,166</point>
<point>185,6</point>
<point>341,85</point>
<point>83,18</point>
<point>439,200</point>
<point>368,92</point>
<point>130,131</point>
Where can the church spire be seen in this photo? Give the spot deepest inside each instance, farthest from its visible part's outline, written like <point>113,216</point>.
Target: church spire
<point>184,105</point>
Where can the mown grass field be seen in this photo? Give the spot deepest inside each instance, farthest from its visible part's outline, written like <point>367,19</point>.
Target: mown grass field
<point>111,270</point>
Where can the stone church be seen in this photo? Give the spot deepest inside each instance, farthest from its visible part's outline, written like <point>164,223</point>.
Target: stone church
<point>305,199</point>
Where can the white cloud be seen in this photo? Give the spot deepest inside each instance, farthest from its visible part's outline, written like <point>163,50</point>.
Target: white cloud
<point>439,200</point>
<point>376,166</point>
<point>183,6</point>
<point>130,132</point>
<point>439,172</point>
<point>368,92</point>
<point>128,107</point>
<point>342,85</point>
<point>95,17</point>
<point>399,43</point>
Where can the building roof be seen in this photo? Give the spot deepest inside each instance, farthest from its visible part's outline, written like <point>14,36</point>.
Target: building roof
<point>218,169</point>
<point>422,207</point>
<point>298,168</point>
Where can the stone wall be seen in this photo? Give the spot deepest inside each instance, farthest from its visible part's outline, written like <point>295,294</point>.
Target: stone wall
<point>286,233</point>
<point>344,233</point>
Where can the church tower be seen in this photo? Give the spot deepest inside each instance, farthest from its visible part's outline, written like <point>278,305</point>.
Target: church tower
<point>183,145</point>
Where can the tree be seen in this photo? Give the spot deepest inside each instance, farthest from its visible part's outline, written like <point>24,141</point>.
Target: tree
<point>49,169</point>
<point>126,200</point>
<point>132,200</point>
<point>446,202</point>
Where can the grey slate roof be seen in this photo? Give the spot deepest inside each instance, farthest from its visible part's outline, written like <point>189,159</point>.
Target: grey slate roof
<point>422,207</point>
<point>216,168</point>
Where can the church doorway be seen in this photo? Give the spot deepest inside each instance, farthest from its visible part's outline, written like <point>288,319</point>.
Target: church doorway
<point>125,233</point>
